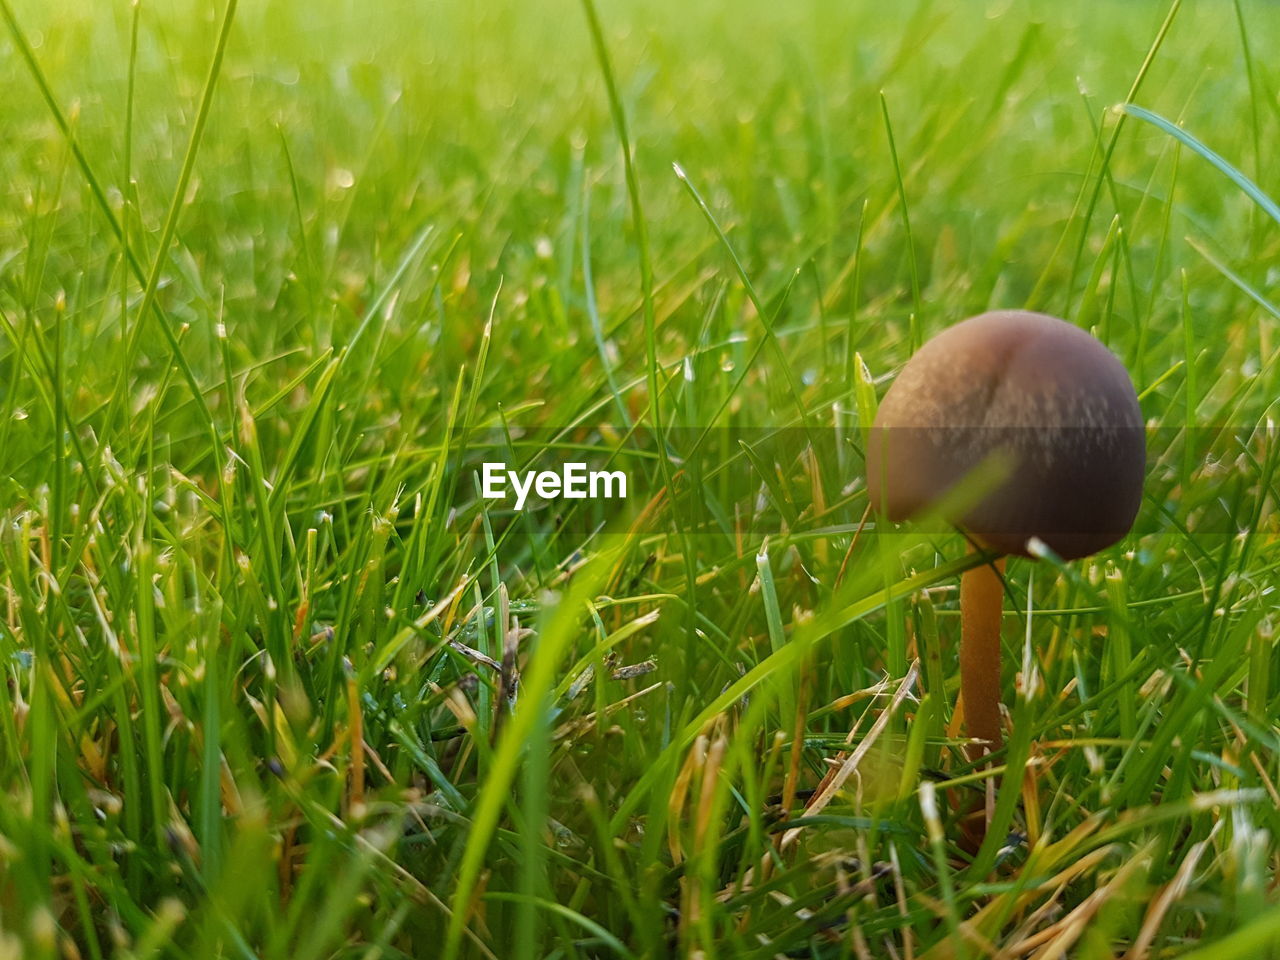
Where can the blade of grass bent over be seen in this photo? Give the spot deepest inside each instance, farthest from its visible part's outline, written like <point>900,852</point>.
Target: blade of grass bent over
<point>1251,189</point>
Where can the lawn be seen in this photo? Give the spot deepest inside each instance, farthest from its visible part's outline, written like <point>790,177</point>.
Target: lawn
<point>278,278</point>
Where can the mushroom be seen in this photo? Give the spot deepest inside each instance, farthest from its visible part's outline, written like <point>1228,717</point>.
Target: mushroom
<point>1055,410</point>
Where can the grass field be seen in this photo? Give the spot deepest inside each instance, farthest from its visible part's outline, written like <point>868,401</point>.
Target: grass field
<point>276,279</point>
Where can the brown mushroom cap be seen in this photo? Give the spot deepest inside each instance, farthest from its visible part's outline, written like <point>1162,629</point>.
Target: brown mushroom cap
<point>1046,398</point>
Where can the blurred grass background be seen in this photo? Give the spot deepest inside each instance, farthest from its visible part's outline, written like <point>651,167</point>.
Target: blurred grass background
<point>260,636</point>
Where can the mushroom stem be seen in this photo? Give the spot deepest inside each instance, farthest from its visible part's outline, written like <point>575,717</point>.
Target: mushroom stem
<point>981,605</point>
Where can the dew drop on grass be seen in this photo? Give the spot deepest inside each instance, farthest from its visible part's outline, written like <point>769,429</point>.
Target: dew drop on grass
<point>727,365</point>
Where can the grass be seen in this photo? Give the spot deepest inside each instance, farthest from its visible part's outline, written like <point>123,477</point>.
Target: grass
<point>276,278</point>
